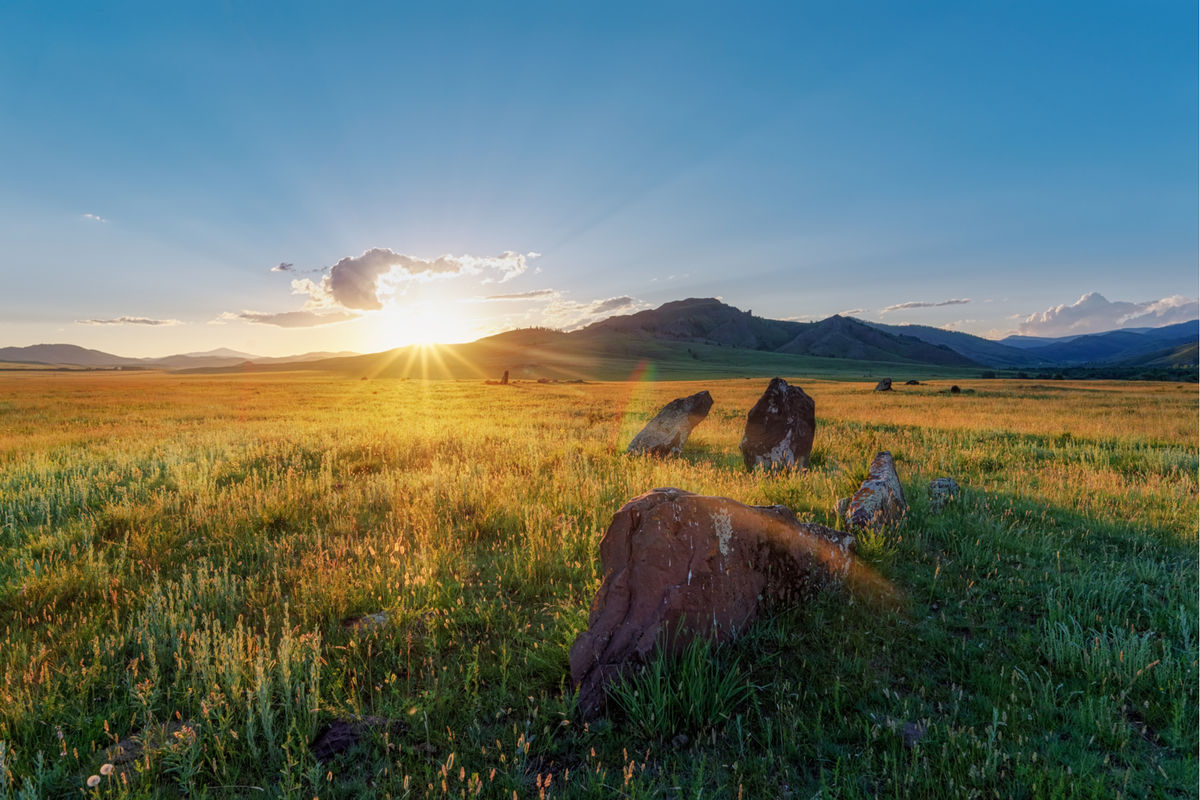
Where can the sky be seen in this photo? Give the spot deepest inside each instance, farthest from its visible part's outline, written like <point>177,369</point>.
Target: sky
<point>280,178</point>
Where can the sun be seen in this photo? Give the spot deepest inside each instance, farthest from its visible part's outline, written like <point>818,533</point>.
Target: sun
<point>422,324</point>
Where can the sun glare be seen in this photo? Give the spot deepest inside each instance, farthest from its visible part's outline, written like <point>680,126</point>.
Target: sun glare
<point>426,325</point>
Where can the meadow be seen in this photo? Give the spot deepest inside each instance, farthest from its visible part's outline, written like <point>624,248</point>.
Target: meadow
<point>200,562</point>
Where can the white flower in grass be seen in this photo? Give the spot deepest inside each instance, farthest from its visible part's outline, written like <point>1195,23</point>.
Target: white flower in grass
<point>93,781</point>
<point>106,769</point>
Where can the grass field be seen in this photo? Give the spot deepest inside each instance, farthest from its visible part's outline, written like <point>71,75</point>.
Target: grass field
<point>179,555</point>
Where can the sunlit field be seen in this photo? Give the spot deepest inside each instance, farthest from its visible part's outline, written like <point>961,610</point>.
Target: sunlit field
<point>184,557</point>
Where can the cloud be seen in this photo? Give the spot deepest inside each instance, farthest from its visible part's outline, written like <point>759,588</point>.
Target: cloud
<point>128,321</point>
<point>849,312</point>
<point>535,294</point>
<point>305,318</point>
<point>1094,313</point>
<point>283,266</point>
<point>922,304</point>
<point>93,217</point>
<point>569,315</point>
<point>356,281</point>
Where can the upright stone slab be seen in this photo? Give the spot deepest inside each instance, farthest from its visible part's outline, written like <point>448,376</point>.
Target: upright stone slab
<point>884,385</point>
<point>670,428</point>
<point>780,428</point>
<point>679,566</point>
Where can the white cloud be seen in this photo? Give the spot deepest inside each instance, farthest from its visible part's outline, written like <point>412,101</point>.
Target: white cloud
<point>1094,313</point>
<point>305,318</point>
<point>357,281</point>
<point>93,218</point>
<point>923,304</point>
<point>128,321</point>
<point>535,294</point>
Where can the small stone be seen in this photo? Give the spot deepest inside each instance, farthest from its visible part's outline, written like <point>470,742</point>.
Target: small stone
<point>912,383</point>
<point>941,492</point>
<point>955,390</point>
<point>680,741</point>
<point>912,733</point>
<point>884,385</point>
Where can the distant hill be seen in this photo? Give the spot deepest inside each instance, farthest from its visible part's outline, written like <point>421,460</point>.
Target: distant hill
<point>697,337</point>
<point>69,355</point>
<point>64,354</point>
<point>844,337</point>
<point>704,321</point>
<point>976,348</point>
<point>1118,346</point>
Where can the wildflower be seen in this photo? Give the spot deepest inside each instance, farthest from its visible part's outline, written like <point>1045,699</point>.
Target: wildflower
<point>93,781</point>
<point>106,769</point>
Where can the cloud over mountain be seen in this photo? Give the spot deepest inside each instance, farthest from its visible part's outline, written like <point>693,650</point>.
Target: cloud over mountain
<point>923,304</point>
<point>569,314</point>
<point>1093,313</point>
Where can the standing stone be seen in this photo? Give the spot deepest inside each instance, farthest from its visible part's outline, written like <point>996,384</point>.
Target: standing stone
<point>670,428</point>
<point>884,385</point>
<point>880,500</point>
<point>504,380</point>
<point>941,492</point>
<point>780,428</point>
<point>678,566</point>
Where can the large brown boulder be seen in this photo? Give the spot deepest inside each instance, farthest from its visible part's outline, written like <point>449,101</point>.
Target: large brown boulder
<point>780,428</point>
<point>880,500</point>
<point>679,565</point>
<point>670,428</point>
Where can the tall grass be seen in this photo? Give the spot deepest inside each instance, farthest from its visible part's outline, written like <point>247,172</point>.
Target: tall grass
<point>179,554</point>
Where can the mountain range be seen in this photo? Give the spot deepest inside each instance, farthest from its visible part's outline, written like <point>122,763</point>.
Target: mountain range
<point>693,337</point>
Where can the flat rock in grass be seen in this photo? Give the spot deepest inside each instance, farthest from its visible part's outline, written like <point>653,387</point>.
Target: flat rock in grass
<point>941,492</point>
<point>912,382</point>
<point>779,428</point>
<point>679,565</point>
<point>341,735</point>
<point>666,433</point>
<point>367,622</point>
<point>127,753</point>
<point>879,501</point>
<point>884,385</point>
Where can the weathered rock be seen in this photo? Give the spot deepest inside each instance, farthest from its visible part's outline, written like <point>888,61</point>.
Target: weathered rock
<point>955,390</point>
<point>780,428</point>
<point>884,385</point>
<point>504,378</point>
<point>880,499</point>
<point>912,382</point>
<point>670,428</point>
<point>679,565</point>
<point>941,492</point>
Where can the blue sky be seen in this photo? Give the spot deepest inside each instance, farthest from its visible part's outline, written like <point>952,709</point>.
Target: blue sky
<point>796,159</point>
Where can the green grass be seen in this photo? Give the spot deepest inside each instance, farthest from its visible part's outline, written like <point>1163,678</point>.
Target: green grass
<point>178,555</point>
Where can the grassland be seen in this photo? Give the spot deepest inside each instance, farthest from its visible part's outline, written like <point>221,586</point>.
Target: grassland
<point>178,556</point>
